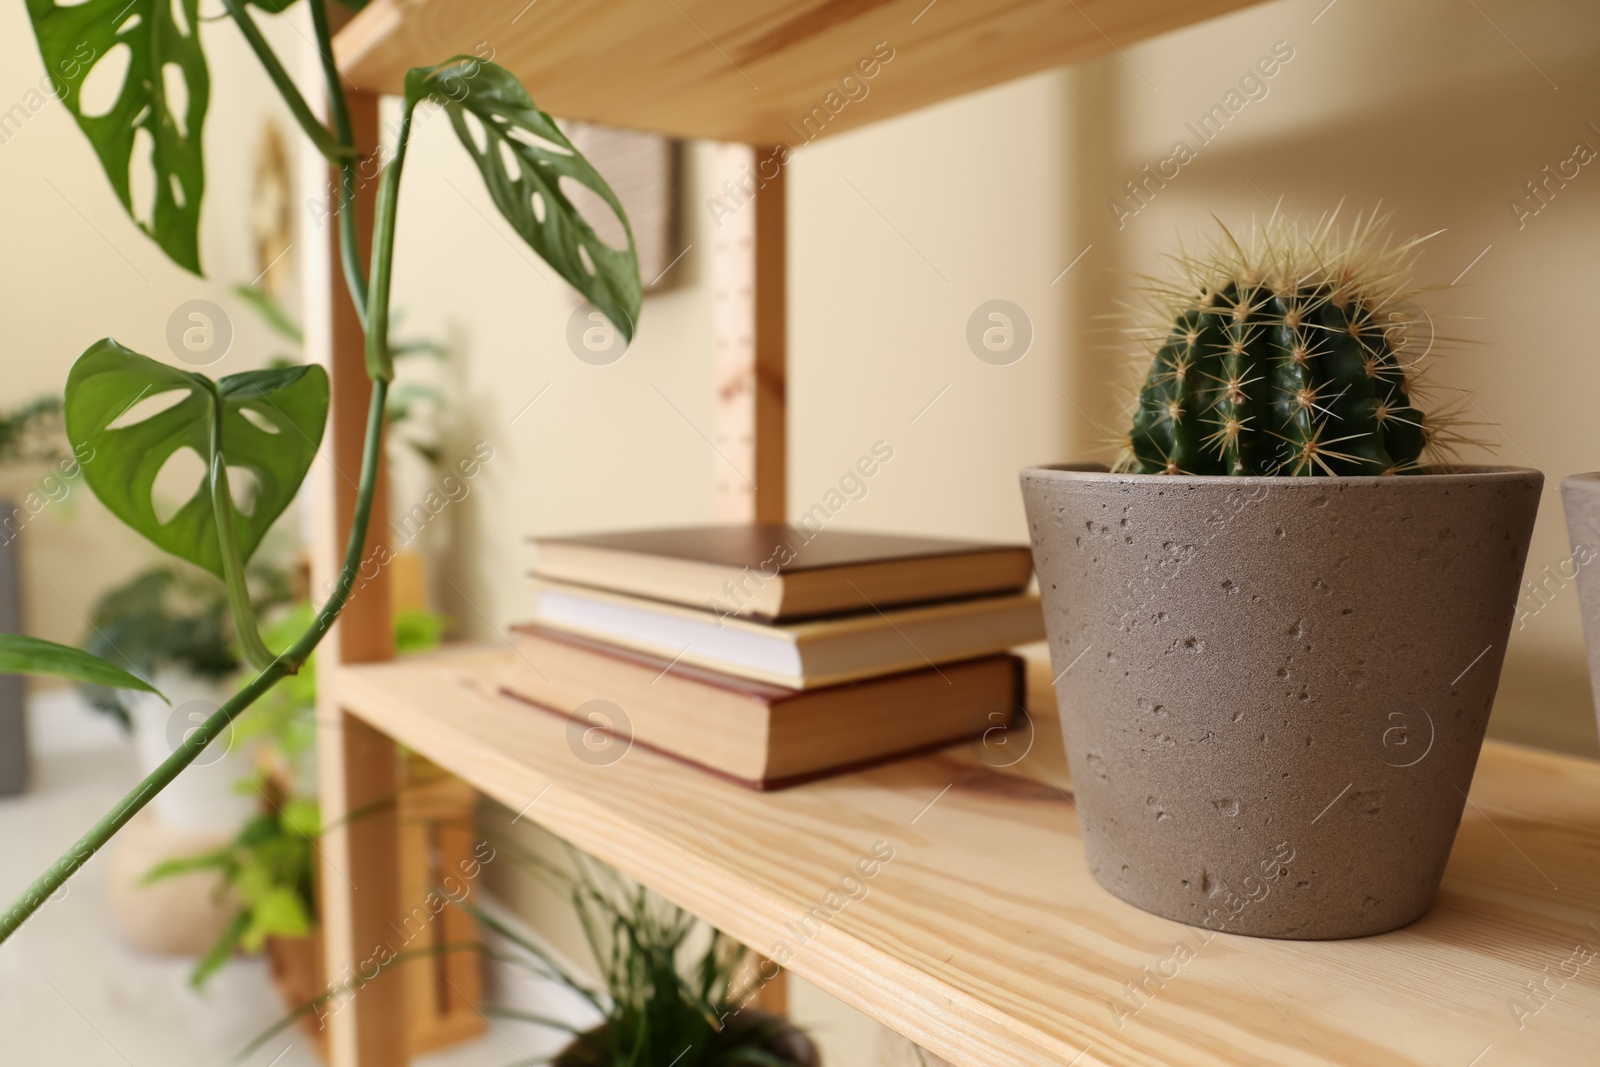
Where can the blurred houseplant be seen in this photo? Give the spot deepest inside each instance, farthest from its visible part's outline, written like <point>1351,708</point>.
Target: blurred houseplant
<point>172,620</point>
<point>268,423</point>
<point>267,870</point>
<point>669,991</point>
<point>33,433</point>
<point>668,986</point>
<point>170,623</point>
<point>1279,625</point>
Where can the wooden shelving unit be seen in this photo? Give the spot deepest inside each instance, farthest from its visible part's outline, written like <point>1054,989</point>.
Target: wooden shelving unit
<point>984,938</point>
<point>745,71</point>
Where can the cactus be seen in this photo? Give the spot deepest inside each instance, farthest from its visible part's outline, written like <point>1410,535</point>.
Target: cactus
<point>1288,356</point>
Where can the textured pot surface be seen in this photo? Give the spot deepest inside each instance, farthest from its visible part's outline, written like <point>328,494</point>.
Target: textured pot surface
<point>1274,690</point>
<point>1580,498</point>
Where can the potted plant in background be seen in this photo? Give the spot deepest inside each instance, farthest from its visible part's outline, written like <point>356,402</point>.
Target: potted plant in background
<point>1278,625</point>
<point>171,624</point>
<point>672,989</point>
<point>667,981</point>
<point>265,873</point>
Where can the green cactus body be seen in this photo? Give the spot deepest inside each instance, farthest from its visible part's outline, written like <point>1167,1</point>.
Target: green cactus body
<point>1297,380</point>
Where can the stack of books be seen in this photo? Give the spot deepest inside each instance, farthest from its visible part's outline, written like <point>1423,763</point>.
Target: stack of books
<point>774,655</point>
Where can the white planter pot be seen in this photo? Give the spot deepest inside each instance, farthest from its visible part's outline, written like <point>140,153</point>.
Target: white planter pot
<point>202,798</point>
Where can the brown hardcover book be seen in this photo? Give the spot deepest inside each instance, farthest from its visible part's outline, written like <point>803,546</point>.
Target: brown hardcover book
<point>762,736</point>
<point>775,572</point>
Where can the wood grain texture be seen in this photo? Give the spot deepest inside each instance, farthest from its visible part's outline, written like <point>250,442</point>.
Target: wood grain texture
<point>445,991</point>
<point>759,71</point>
<point>750,328</point>
<point>356,765</point>
<point>985,939</point>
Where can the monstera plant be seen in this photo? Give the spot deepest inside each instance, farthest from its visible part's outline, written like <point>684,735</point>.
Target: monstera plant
<point>257,431</point>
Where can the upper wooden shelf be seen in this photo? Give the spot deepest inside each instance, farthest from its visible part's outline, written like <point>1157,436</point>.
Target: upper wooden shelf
<point>751,70</point>
<point>985,938</point>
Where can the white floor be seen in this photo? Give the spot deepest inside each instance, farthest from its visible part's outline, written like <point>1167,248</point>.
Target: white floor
<point>73,994</point>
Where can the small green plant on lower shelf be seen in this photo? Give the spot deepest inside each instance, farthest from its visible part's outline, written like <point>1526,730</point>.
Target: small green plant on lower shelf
<point>1296,353</point>
<point>257,431</point>
<point>672,988</point>
<point>668,983</point>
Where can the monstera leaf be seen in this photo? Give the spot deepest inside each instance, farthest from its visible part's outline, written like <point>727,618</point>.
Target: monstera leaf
<point>518,136</point>
<point>20,654</point>
<point>75,39</point>
<point>277,7</point>
<point>268,422</point>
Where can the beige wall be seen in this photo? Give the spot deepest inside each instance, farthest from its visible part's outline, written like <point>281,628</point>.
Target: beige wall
<point>896,238</point>
<point>1427,108</point>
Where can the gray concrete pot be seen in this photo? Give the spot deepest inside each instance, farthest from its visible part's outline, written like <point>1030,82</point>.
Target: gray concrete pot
<point>1580,498</point>
<point>1273,690</point>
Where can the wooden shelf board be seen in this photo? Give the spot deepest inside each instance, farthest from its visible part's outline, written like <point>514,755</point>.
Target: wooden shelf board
<point>985,938</point>
<point>748,71</point>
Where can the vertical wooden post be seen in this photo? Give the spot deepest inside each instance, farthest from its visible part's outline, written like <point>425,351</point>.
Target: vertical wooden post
<point>750,305</point>
<point>750,308</point>
<point>357,765</point>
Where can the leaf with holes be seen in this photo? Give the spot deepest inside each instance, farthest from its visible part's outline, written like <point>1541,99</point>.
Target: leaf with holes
<point>20,654</point>
<point>518,137</point>
<point>271,423</point>
<point>161,56</point>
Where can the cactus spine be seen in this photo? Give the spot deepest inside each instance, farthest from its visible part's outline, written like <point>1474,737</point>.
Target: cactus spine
<point>1288,357</point>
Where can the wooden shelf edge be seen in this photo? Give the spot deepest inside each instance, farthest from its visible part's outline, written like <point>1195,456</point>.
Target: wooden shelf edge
<point>763,72</point>
<point>938,1016</point>
<point>1020,969</point>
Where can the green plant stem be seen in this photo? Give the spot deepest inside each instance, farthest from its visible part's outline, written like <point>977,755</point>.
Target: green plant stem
<point>380,362</point>
<point>256,652</point>
<point>289,663</point>
<point>326,143</point>
<point>245,628</point>
<point>355,275</point>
